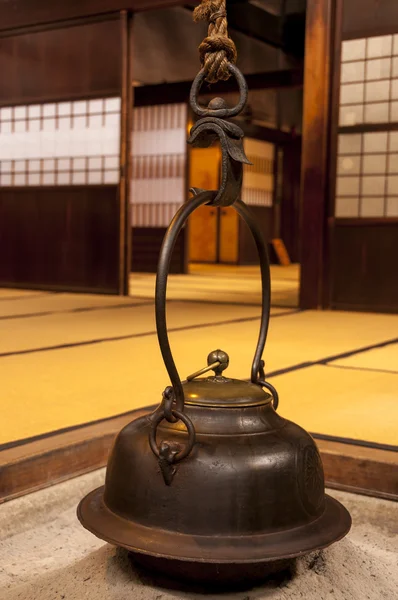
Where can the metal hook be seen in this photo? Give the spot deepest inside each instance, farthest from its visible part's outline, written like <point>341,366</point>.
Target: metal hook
<point>203,134</point>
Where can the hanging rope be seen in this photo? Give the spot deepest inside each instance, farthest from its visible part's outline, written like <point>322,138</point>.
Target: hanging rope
<point>217,49</point>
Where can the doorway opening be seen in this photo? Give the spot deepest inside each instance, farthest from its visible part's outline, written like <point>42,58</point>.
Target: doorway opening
<point>221,252</point>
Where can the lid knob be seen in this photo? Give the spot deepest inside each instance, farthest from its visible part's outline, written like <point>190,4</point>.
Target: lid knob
<point>218,361</point>
<point>220,357</point>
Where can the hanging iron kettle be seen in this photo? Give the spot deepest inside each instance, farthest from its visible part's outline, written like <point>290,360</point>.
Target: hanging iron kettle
<point>215,484</point>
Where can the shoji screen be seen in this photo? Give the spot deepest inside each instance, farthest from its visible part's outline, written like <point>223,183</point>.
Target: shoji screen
<point>159,154</point>
<point>258,178</point>
<point>159,182</point>
<point>257,192</point>
<point>60,123</point>
<point>367,163</point>
<point>60,143</point>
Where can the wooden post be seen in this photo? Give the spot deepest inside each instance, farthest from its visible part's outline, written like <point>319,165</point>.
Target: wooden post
<point>125,154</point>
<point>314,169</point>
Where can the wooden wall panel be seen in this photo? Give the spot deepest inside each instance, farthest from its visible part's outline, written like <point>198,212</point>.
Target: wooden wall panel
<point>228,235</point>
<point>247,248</point>
<point>146,243</point>
<point>62,238</point>
<point>364,270</point>
<point>73,62</point>
<point>290,199</point>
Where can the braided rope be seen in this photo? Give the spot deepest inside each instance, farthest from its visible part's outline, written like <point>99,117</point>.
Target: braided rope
<point>217,49</point>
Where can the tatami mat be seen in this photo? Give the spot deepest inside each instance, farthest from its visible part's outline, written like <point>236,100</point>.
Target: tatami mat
<point>278,272</point>
<point>317,335</point>
<point>54,303</point>
<point>57,329</point>
<point>224,283</point>
<point>46,391</point>
<point>15,294</point>
<point>383,359</point>
<point>360,405</point>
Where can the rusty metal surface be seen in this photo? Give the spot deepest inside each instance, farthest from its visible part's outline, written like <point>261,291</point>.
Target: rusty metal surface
<point>220,550</point>
<point>251,491</point>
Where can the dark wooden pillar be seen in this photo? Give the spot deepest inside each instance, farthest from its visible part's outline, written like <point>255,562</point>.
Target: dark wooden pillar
<point>125,242</point>
<point>314,169</point>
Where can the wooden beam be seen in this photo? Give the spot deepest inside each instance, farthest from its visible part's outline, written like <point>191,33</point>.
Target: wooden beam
<point>25,13</point>
<point>169,93</point>
<point>315,148</point>
<point>284,78</point>
<point>367,127</point>
<point>373,19</point>
<point>255,22</point>
<point>267,134</point>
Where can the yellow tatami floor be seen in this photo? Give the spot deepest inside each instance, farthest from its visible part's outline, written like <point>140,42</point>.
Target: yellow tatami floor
<point>71,359</point>
<point>224,283</point>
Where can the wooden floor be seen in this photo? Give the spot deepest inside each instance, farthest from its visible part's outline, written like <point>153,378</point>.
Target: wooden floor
<point>70,364</point>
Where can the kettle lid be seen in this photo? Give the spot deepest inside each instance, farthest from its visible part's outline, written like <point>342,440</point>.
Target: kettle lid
<point>219,391</point>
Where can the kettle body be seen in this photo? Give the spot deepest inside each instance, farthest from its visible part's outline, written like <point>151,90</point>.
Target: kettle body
<point>250,492</point>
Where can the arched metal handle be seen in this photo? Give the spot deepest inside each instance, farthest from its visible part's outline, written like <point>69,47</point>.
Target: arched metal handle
<point>179,220</point>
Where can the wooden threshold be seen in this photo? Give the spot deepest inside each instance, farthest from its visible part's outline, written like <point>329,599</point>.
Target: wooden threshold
<point>359,469</point>
<point>50,460</point>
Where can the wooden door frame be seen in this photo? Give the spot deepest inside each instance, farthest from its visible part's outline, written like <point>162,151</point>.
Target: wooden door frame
<point>319,66</point>
<point>125,231</point>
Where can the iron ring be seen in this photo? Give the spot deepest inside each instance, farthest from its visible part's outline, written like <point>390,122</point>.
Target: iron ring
<point>188,424</point>
<point>218,112</point>
<point>274,393</point>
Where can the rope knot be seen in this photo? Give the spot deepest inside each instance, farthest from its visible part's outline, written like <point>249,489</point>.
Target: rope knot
<point>220,14</point>
<point>217,50</point>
